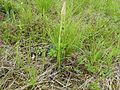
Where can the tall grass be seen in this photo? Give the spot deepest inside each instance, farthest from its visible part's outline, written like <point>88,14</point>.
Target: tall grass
<point>63,12</point>
<point>66,35</point>
<point>43,5</point>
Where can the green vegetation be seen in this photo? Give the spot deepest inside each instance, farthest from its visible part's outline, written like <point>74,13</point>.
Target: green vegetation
<point>76,36</point>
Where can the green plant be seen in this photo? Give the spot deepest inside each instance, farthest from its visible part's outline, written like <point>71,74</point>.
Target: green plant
<point>25,13</point>
<point>66,35</point>
<point>32,75</point>
<point>63,12</point>
<point>19,61</point>
<point>94,86</point>
<point>43,5</point>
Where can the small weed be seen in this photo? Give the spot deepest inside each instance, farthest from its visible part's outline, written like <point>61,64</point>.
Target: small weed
<point>32,75</point>
<point>94,86</point>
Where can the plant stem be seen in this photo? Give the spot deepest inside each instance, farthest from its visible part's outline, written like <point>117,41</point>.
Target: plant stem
<point>63,12</point>
<point>59,44</point>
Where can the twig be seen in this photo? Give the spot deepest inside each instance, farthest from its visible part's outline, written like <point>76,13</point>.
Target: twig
<point>22,88</point>
<point>60,83</point>
<point>86,83</point>
<point>8,88</point>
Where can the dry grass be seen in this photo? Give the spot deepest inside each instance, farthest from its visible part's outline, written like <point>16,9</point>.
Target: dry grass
<point>14,78</point>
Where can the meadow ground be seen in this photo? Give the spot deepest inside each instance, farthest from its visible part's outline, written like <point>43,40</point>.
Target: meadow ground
<point>59,44</point>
